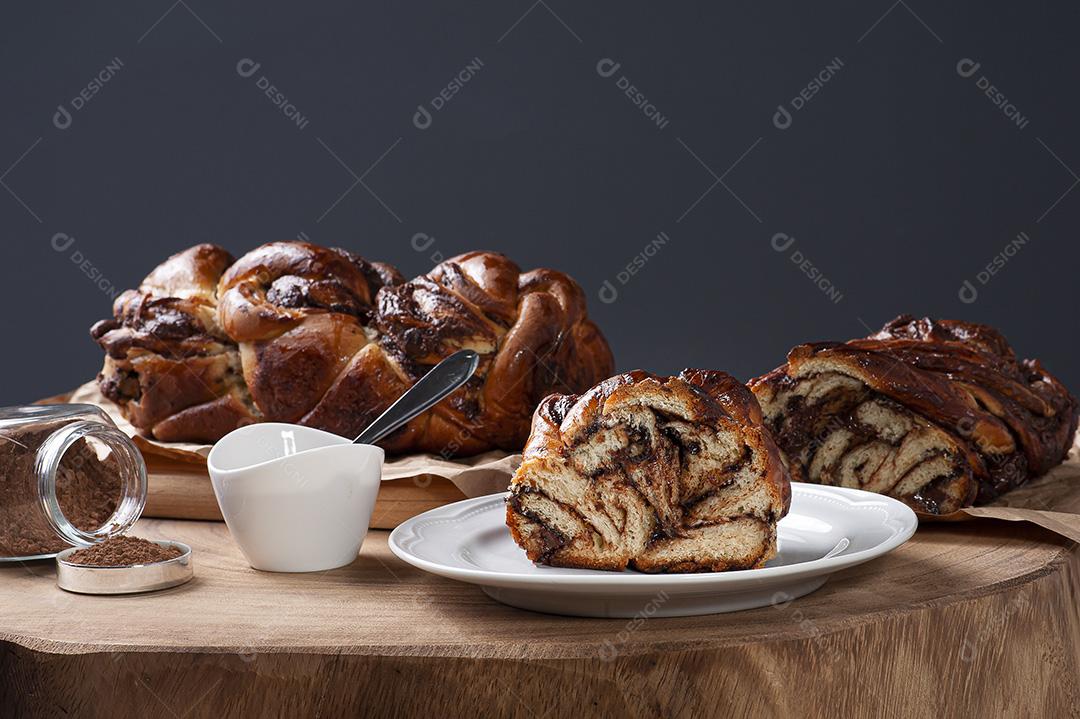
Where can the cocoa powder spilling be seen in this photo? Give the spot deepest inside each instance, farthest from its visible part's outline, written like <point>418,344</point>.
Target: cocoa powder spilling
<point>123,551</point>
<point>87,489</point>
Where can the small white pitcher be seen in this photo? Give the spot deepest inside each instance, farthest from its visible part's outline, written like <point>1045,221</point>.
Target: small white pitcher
<point>295,499</point>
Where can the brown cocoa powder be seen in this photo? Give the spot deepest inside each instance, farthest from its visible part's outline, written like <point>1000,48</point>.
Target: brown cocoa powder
<point>87,489</point>
<point>123,551</point>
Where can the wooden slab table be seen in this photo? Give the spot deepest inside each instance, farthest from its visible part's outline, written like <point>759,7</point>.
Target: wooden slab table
<point>972,619</point>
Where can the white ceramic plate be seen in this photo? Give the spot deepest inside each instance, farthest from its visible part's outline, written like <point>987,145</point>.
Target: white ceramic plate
<point>827,529</point>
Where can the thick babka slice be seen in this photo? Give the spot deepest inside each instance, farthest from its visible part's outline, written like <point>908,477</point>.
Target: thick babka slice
<point>661,474</point>
<point>939,414</point>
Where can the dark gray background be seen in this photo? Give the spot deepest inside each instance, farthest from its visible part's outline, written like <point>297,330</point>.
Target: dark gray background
<point>899,180</point>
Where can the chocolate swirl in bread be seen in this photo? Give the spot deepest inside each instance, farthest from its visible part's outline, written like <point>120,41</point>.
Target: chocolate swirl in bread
<point>294,332</point>
<point>662,474</point>
<point>939,414</point>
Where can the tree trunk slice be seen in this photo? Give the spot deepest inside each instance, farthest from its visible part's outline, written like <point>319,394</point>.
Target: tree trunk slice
<point>976,618</point>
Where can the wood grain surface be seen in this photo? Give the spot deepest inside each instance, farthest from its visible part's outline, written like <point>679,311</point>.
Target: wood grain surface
<point>176,490</point>
<point>180,490</point>
<point>979,618</point>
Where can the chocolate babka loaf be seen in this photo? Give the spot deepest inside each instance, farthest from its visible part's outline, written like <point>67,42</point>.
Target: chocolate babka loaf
<point>294,332</point>
<point>939,414</point>
<point>661,474</point>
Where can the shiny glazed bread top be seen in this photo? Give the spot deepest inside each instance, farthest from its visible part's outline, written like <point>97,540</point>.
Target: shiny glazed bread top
<point>294,332</point>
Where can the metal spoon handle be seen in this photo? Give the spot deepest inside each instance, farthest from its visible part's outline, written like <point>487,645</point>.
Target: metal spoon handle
<point>432,388</point>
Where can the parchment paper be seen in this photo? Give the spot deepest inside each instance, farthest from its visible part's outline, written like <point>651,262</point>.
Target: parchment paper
<point>1051,501</point>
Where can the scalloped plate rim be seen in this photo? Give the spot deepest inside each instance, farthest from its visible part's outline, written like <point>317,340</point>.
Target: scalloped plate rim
<point>899,518</point>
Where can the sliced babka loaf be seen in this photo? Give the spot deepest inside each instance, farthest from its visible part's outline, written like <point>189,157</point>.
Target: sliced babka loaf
<point>661,474</point>
<point>939,414</point>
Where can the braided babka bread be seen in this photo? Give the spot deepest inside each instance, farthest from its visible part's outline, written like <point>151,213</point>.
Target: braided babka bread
<point>661,474</point>
<point>939,414</point>
<point>294,332</point>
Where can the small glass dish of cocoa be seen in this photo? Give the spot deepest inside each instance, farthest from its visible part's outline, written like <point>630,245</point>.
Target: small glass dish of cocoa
<point>124,565</point>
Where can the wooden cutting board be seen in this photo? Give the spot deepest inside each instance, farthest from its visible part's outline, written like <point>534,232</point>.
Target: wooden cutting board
<point>978,619</point>
<point>183,490</point>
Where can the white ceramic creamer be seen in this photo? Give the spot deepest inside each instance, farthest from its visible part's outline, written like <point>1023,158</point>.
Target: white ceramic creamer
<point>295,499</point>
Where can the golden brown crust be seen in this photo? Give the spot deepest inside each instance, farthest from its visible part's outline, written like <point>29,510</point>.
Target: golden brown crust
<point>529,335</point>
<point>295,332</point>
<point>275,287</point>
<point>204,422</point>
<point>997,421</point>
<point>662,474</point>
<point>173,310</point>
<point>166,351</point>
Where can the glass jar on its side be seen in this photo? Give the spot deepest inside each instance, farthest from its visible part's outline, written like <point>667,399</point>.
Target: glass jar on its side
<point>68,477</point>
